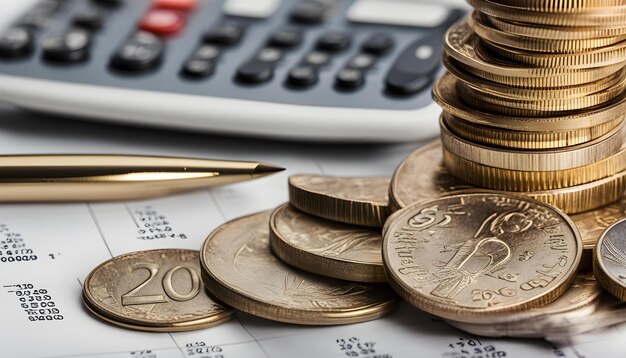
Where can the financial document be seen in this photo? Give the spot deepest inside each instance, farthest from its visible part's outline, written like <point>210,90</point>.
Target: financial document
<point>47,250</point>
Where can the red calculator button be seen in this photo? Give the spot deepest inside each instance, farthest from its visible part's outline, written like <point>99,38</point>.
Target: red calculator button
<point>162,22</point>
<point>180,5</point>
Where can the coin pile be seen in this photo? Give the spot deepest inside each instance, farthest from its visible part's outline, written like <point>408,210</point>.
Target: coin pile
<point>534,100</point>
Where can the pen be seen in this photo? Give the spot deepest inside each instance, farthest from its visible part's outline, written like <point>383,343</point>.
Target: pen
<point>49,178</point>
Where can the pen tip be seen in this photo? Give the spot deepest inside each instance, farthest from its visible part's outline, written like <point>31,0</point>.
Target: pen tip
<point>265,169</point>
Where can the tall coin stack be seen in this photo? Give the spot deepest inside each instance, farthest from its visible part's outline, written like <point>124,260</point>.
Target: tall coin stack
<point>534,100</point>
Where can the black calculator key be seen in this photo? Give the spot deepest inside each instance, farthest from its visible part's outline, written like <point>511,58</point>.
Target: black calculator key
<point>416,66</point>
<point>226,33</point>
<point>16,42</point>
<point>302,76</point>
<point>285,38</point>
<point>378,44</point>
<point>255,72</point>
<point>317,58</point>
<point>199,68</point>
<point>69,46</point>
<point>362,61</point>
<point>207,52</point>
<point>110,2</point>
<point>142,51</point>
<point>92,17</point>
<point>269,54</point>
<point>309,12</point>
<point>350,78</point>
<point>334,41</point>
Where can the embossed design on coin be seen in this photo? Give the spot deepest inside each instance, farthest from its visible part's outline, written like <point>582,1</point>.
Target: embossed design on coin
<point>157,290</point>
<point>326,247</point>
<point>239,268</point>
<point>358,201</point>
<point>471,257</point>
<point>609,261</point>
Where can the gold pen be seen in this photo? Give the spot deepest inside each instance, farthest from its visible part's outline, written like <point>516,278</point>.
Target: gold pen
<point>37,178</point>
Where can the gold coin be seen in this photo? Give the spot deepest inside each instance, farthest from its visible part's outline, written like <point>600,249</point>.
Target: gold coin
<point>357,201</point>
<point>535,160</point>
<point>609,260</point>
<point>612,16</point>
<point>584,292</point>
<point>444,93</point>
<point>462,44</point>
<point>484,29</point>
<point>590,224</point>
<point>557,6</point>
<point>506,138</point>
<point>536,107</point>
<point>156,290</point>
<point>474,257</point>
<point>422,175</point>
<point>240,269</point>
<point>485,176</point>
<point>326,247</point>
<point>556,32</point>
<point>605,56</point>
<point>497,89</point>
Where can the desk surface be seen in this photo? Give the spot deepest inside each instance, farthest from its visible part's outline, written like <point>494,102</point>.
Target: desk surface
<point>70,239</point>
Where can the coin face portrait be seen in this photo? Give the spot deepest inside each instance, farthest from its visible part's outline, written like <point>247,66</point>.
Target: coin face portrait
<point>469,257</point>
<point>153,290</point>
<point>240,269</point>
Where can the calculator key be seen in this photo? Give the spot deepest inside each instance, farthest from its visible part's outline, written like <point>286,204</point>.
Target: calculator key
<point>302,76</point>
<point>199,68</point>
<point>398,12</point>
<point>285,38</point>
<point>92,17</point>
<point>416,67</point>
<point>258,9</point>
<point>226,33</point>
<point>350,78</point>
<point>317,58</point>
<point>162,22</point>
<point>269,54</point>
<point>207,52</point>
<point>362,61</point>
<point>141,52</point>
<point>334,41</point>
<point>69,46</point>
<point>110,2</point>
<point>255,72</point>
<point>309,12</point>
<point>180,5</point>
<point>16,42</point>
<point>378,44</point>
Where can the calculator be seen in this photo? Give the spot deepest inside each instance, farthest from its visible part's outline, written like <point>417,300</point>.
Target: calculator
<point>317,70</point>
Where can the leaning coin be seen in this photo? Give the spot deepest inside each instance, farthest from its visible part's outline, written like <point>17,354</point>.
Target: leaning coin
<point>326,247</point>
<point>239,268</point>
<point>357,201</point>
<point>156,290</point>
<point>474,257</point>
<point>591,224</point>
<point>609,260</point>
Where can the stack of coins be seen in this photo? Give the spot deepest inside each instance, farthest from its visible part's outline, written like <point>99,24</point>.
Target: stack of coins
<point>534,100</point>
<point>314,261</point>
